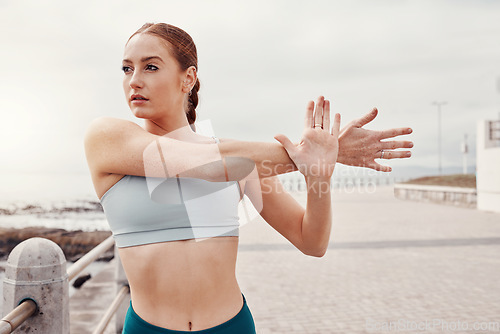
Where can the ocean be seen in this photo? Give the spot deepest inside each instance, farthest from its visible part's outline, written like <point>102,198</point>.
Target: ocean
<point>55,200</point>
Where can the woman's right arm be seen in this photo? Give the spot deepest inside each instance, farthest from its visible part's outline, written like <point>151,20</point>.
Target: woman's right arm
<point>122,147</point>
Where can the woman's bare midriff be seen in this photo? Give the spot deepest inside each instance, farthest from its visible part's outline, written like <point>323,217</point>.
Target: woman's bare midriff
<point>186,284</point>
<point>180,285</point>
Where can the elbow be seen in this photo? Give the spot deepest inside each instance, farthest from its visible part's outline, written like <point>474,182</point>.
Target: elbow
<point>321,253</point>
<point>318,252</point>
<point>316,249</point>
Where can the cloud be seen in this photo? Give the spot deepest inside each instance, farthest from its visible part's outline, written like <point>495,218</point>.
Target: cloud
<point>260,62</point>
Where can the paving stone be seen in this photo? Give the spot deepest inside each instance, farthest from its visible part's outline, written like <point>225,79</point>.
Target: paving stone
<point>388,261</point>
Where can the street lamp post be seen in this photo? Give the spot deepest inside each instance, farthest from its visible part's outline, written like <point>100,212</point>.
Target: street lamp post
<point>439,104</point>
<point>465,150</point>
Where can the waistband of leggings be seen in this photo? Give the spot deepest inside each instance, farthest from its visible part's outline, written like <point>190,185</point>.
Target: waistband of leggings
<point>156,329</point>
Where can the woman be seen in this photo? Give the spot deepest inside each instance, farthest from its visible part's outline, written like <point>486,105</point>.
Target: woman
<point>156,185</point>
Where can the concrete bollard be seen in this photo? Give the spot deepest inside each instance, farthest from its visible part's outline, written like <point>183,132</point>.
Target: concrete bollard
<point>121,280</point>
<point>36,269</point>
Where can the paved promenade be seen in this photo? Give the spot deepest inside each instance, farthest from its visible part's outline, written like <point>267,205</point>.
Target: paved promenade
<point>392,266</point>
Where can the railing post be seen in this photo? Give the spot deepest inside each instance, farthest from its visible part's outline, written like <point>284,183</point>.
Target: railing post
<point>36,269</point>
<point>121,280</point>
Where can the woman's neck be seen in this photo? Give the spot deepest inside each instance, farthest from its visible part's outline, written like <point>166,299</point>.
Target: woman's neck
<point>180,130</point>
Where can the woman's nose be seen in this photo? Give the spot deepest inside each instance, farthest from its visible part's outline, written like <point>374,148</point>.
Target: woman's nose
<point>136,80</point>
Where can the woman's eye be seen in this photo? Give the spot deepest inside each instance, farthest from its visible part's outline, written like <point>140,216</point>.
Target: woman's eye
<point>126,69</point>
<point>151,68</point>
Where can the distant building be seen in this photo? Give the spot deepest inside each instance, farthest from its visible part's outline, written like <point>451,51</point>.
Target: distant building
<point>488,165</point>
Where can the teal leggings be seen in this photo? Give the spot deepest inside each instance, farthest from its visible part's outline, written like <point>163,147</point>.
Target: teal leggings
<point>241,323</point>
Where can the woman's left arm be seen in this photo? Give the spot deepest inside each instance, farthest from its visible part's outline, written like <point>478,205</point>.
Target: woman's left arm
<point>307,229</point>
<point>315,157</point>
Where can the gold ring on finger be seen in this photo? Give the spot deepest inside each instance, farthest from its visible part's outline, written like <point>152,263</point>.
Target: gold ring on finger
<point>318,125</point>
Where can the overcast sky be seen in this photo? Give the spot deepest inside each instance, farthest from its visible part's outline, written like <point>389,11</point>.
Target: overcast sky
<point>259,64</point>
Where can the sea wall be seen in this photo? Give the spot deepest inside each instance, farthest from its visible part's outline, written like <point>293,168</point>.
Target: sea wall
<point>464,197</point>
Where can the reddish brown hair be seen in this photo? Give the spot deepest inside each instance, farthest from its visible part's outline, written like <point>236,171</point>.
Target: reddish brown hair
<point>182,48</point>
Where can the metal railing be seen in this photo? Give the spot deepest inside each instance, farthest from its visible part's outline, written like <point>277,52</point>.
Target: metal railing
<point>90,257</point>
<point>342,183</point>
<point>120,297</point>
<point>36,268</point>
<point>17,316</point>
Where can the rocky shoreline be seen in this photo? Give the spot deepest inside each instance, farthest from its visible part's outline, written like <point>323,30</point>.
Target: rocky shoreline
<point>74,244</point>
<point>51,208</point>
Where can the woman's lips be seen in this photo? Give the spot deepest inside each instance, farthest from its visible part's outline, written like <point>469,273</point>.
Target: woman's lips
<point>139,102</point>
<point>138,99</point>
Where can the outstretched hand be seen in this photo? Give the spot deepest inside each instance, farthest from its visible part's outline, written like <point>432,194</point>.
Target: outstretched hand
<point>316,154</point>
<point>360,147</point>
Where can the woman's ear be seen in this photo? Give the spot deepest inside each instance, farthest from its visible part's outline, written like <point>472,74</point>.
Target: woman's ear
<point>189,79</point>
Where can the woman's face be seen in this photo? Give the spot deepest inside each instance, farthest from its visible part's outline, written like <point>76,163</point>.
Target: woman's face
<point>153,80</point>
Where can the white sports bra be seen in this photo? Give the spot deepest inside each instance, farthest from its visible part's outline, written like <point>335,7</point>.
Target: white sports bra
<point>143,210</point>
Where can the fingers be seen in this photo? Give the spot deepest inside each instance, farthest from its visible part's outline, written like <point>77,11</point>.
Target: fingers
<point>379,167</point>
<point>367,118</point>
<point>326,116</point>
<point>309,115</point>
<point>336,125</point>
<point>287,144</point>
<point>392,145</point>
<point>393,154</point>
<point>388,155</point>
<point>394,133</point>
<point>318,113</point>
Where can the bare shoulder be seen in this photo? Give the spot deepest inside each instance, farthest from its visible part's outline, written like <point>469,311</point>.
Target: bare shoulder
<point>105,125</point>
<point>104,134</point>
<point>99,134</point>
